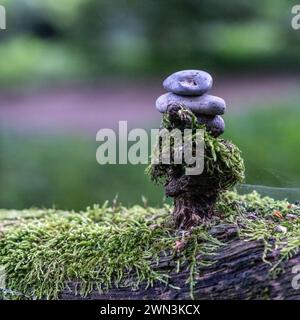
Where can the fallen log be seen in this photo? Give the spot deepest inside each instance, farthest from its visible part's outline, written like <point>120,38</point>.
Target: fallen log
<point>238,272</point>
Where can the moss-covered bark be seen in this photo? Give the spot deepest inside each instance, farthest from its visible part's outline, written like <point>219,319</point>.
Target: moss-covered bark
<point>195,196</point>
<point>238,272</point>
<point>135,252</point>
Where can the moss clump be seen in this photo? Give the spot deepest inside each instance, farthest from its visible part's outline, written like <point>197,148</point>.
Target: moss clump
<point>223,164</point>
<point>100,248</point>
<point>103,247</point>
<point>257,218</point>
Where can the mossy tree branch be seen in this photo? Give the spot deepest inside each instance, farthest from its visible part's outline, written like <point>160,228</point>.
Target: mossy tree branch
<point>115,252</point>
<point>238,272</point>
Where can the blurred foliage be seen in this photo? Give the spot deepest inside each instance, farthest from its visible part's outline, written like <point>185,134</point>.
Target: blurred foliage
<point>28,59</point>
<point>62,171</point>
<point>269,139</point>
<point>67,38</point>
<point>79,40</point>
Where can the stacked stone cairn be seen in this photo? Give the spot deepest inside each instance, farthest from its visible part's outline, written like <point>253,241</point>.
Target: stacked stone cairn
<point>189,88</point>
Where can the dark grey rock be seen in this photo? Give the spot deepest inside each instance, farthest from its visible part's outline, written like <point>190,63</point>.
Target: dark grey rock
<point>188,82</point>
<point>205,104</point>
<point>215,125</point>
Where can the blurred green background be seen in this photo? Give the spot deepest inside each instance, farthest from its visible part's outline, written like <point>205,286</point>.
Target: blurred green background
<point>72,67</point>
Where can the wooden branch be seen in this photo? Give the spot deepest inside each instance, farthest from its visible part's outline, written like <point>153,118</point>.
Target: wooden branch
<point>239,272</point>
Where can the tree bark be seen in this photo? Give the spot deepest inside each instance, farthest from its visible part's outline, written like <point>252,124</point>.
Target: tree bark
<point>239,272</point>
<point>194,199</point>
<point>191,211</point>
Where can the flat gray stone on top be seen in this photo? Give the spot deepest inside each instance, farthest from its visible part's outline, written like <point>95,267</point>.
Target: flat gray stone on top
<point>215,125</point>
<point>188,82</point>
<point>205,104</point>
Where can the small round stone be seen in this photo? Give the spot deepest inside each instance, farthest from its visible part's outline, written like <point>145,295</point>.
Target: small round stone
<point>215,125</point>
<point>205,104</point>
<point>280,229</point>
<point>291,216</point>
<point>188,82</point>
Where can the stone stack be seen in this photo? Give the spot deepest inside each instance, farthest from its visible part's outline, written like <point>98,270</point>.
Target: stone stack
<point>189,88</point>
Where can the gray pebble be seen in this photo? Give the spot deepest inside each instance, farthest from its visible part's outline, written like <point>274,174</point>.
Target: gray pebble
<point>215,125</point>
<point>280,229</point>
<point>291,216</point>
<point>205,104</point>
<point>251,216</point>
<point>188,82</point>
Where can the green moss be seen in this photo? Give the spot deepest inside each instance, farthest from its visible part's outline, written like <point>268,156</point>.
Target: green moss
<point>107,246</point>
<point>257,218</point>
<point>223,163</point>
<point>101,248</point>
